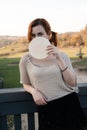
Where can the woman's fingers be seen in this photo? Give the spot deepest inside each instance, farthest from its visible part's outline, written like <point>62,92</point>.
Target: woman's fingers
<point>41,102</point>
<point>52,49</point>
<point>39,98</point>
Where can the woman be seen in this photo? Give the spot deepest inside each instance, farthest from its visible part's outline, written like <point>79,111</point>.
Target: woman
<point>52,83</point>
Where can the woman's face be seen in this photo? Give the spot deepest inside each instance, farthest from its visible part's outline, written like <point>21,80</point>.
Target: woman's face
<point>39,31</point>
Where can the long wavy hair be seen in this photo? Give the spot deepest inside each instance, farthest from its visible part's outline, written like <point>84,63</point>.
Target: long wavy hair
<point>46,26</point>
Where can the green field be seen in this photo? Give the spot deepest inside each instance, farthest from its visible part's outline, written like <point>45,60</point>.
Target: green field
<point>9,71</point>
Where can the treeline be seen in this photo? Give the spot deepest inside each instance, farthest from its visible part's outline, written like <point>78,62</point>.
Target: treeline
<point>73,38</point>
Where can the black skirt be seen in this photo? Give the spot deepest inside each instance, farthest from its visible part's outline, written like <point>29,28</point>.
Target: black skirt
<point>62,114</point>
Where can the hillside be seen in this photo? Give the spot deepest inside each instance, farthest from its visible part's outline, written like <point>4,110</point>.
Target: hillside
<point>5,40</point>
<point>12,45</point>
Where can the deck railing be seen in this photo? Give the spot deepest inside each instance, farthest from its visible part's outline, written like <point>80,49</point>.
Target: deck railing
<point>15,102</point>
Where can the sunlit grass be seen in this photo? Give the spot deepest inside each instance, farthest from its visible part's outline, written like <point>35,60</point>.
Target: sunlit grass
<point>73,51</point>
<point>76,61</point>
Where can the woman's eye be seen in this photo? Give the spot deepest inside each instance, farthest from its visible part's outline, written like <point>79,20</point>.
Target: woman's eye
<point>40,34</point>
<point>33,35</point>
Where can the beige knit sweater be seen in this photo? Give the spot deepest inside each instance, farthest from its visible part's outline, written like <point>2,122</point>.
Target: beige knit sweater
<point>45,76</point>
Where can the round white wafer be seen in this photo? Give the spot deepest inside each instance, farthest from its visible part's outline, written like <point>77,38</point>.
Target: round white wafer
<point>37,47</point>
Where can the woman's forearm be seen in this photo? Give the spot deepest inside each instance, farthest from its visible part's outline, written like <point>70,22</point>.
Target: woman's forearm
<point>38,97</point>
<point>28,88</point>
<point>68,75</point>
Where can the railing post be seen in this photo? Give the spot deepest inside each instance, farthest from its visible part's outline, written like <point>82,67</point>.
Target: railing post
<point>17,121</point>
<point>3,123</point>
<point>31,121</point>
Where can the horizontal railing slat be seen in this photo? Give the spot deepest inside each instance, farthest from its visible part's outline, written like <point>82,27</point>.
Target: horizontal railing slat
<point>17,107</point>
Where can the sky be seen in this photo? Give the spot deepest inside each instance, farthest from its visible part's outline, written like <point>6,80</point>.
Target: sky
<point>63,15</point>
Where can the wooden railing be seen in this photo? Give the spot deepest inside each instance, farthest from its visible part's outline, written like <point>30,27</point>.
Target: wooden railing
<point>15,102</point>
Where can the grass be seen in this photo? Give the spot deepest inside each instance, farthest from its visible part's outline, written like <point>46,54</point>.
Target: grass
<point>73,51</point>
<point>9,69</point>
<point>76,61</point>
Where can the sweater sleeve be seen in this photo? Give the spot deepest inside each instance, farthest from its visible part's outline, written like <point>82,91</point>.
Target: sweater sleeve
<point>24,77</point>
<point>69,64</point>
<point>67,61</point>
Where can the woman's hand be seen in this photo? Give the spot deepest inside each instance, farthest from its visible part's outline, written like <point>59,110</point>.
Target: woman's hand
<point>51,49</point>
<point>38,97</point>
